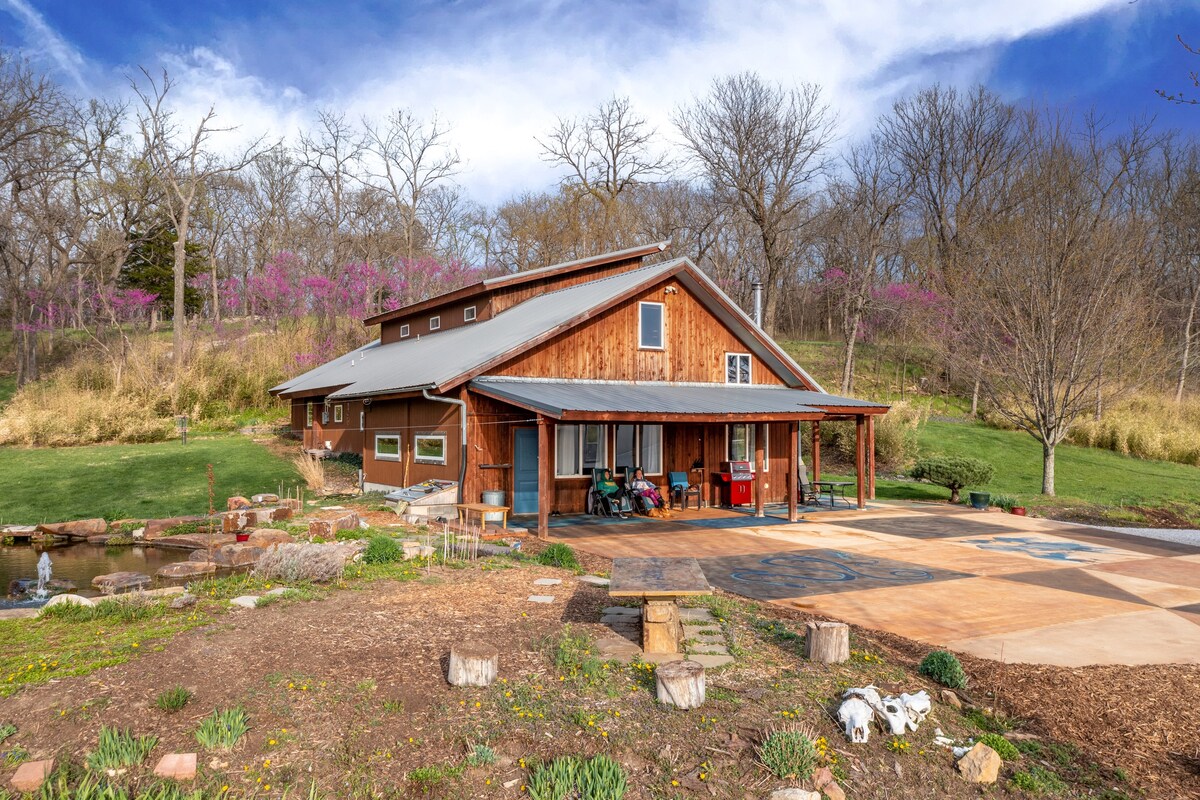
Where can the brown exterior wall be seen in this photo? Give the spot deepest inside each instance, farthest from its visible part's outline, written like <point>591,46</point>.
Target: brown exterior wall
<point>408,418</point>
<point>605,348</point>
<point>451,317</point>
<point>344,436</point>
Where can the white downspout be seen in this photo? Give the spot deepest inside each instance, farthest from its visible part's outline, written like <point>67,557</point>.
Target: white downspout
<point>462,415</point>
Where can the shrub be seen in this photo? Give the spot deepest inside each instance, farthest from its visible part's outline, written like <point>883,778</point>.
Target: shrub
<point>945,668</point>
<point>1004,501</point>
<point>789,754</point>
<point>172,700</point>
<point>1003,747</point>
<point>1039,780</point>
<point>953,472</point>
<point>221,729</point>
<point>118,748</point>
<point>301,562</point>
<point>1145,426</point>
<point>382,550</point>
<point>558,555</point>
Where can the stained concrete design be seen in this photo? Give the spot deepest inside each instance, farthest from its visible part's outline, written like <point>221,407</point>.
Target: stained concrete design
<point>991,584</point>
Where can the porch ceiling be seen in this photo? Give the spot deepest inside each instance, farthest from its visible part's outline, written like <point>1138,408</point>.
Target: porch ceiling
<point>653,401</point>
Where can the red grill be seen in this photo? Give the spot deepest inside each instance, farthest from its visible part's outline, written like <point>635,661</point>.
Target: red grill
<point>737,482</point>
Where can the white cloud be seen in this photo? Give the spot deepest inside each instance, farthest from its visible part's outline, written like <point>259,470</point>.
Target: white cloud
<point>46,41</point>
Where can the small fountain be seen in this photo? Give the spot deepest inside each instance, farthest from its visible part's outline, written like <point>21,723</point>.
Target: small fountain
<point>43,569</point>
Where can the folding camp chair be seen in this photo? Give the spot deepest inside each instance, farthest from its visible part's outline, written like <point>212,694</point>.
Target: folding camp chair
<point>608,504</point>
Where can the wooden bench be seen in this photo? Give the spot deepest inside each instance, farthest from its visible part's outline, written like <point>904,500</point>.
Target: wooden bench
<point>465,510</point>
<point>659,583</point>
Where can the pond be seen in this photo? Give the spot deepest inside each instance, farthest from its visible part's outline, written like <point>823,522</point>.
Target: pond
<point>79,563</point>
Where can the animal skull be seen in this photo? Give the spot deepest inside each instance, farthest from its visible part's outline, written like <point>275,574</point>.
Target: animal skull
<point>893,711</point>
<point>917,706</point>
<point>855,715</point>
<point>868,693</point>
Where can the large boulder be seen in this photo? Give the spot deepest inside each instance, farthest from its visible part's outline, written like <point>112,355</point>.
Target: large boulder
<point>74,599</point>
<point>187,569</point>
<point>265,537</point>
<point>157,527</point>
<point>980,764</point>
<point>238,554</point>
<point>118,582</point>
<point>265,499</point>
<point>194,541</point>
<point>77,529</point>
<point>237,502</point>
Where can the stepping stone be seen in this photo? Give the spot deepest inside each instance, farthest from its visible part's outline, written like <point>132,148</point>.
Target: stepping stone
<point>541,598</point>
<point>633,612</point>
<point>547,582</point>
<point>698,614</point>
<point>706,638</point>
<point>279,590</point>
<point>31,774</point>
<point>663,658</point>
<point>177,766</point>
<point>711,661</point>
<point>709,649</point>
<point>594,580</point>
<point>245,601</point>
<point>616,647</point>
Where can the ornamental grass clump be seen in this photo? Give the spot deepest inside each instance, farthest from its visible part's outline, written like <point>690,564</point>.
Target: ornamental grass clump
<point>172,700</point>
<point>789,754</point>
<point>382,550</point>
<point>945,668</point>
<point>221,729</point>
<point>558,555</point>
<point>119,748</point>
<point>601,778</point>
<point>954,472</point>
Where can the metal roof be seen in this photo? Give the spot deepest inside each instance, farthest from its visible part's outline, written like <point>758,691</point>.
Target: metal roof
<point>559,398</point>
<point>429,361</point>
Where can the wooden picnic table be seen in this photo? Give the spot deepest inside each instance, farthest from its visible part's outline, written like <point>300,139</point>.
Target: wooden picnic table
<point>660,583</point>
<point>465,510</point>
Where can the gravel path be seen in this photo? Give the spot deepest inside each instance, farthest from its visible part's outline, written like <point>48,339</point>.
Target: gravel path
<point>1181,535</point>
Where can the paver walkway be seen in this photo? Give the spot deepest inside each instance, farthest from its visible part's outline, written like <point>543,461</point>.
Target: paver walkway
<point>995,585</point>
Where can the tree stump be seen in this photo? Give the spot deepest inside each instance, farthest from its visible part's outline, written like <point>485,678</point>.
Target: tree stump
<point>662,630</point>
<point>473,664</point>
<point>827,642</point>
<point>680,684</point>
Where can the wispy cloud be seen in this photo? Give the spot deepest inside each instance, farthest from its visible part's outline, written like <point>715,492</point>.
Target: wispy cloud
<point>43,39</point>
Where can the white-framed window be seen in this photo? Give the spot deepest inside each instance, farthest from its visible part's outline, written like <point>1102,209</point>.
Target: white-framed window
<point>737,368</point>
<point>469,314</point>
<point>739,444</point>
<point>429,448</point>
<point>404,331</point>
<point>308,415</point>
<point>435,323</point>
<point>639,446</point>
<point>362,420</point>
<point>338,413</point>
<point>387,447</point>
<point>579,449</point>
<point>652,326</point>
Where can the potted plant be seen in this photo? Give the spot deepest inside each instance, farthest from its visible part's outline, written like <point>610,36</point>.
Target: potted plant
<point>1018,510</point>
<point>242,535</point>
<point>980,500</point>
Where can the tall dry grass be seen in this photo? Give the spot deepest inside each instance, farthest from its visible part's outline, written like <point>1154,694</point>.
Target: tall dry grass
<point>312,470</point>
<point>1150,426</point>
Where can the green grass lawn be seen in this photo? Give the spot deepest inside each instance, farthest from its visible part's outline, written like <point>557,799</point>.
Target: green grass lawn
<point>136,481</point>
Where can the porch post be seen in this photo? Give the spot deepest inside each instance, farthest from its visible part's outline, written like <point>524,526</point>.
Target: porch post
<point>860,456</point>
<point>760,436</point>
<point>871,457</point>
<point>793,483</point>
<point>816,450</point>
<point>705,474</point>
<point>545,476</point>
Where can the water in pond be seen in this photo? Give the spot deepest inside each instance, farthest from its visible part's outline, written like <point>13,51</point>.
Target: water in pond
<point>78,563</point>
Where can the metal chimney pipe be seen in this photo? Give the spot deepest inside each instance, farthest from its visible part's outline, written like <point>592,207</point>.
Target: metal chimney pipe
<point>757,288</point>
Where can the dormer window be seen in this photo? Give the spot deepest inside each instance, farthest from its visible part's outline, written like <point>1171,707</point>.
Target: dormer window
<point>435,323</point>
<point>404,330</point>
<point>650,326</point>
<point>469,314</point>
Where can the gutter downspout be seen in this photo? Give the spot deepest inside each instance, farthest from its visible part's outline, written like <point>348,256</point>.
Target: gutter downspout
<point>462,415</point>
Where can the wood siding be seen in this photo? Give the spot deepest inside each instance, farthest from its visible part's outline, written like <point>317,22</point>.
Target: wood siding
<point>407,418</point>
<point>451,317</point>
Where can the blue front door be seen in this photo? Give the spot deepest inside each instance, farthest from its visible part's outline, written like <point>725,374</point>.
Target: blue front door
<point>525,471</point>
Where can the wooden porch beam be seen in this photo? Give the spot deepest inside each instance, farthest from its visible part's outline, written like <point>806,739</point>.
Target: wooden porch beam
<point>793,483</point>
<point>545,476</point>
<point>860,468</point>
<point>816,450</point>
<point>760,437</point>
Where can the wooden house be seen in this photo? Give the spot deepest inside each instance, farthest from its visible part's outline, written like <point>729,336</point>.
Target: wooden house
<point>523,383</point>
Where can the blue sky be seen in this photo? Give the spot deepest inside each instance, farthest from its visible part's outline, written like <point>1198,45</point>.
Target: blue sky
<point>500,72</point>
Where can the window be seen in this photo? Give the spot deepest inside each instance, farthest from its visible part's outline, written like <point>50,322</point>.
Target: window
<point>338,414</point>
<point>579,449</point>
<point>639,446</point>
<point>429,448</point>
<point>435,323</point>
<point>739,445</point>
<point>362,420</point>
<point>404,329</point>
<point>737,368</point>
<point>650,326</point>
<point>469,314</point>
<point>387,447</point>
<point>308,415</point>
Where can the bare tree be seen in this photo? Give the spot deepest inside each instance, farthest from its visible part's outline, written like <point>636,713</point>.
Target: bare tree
<point>1179,246</point>
<point>762,146</point>
<point>181,164</point>
<point>1193,75</point>
<point>332,156</point>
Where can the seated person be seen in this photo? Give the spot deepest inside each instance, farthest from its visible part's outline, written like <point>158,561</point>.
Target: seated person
<point>608,487</point>
<point>644,488</point>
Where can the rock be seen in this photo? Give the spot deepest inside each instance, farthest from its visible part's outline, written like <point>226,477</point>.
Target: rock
<point>547,582</point>
<point>832,791</point>
<point>234,521</point>
<point>794,794</point>
<point>193,541</point>
<point>541,598</point>
<point>264,499</point>
<point>77,529</point>
<point>821,777</point>
<point>711,649</point>
<point>157,527</point>
<point>616,647</point>
<point>238,554</point>
<point>695,614</point>
<point>594,580</point>
<point>265,537</point>
<point>177,766</point>
<point>279,590</point>
<point>278,514</point>
<point>75,599</point>
<point>981,764</point>
<point>950,698</point>
<point>117,582</point>
<point>31,774</point>
<point>320,529</point>
<point>237,503</point>
<point>22,587</point>
<point>185,600</point>
<point>245,601</point>
<point>711,661</point>
<point>187,569</point>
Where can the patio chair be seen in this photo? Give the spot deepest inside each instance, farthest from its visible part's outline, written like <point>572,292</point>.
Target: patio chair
<point>643,502</point>
<point>681,490</point>
<point>809,493</point>
<point>606,498</point>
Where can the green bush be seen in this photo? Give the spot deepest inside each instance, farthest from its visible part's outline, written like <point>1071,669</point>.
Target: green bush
<point>945,668</point>
<point>953,472</point>
<point>382,550</point>
<point>789,754</point>
<point>1003,747</point>
<point>558,555</point>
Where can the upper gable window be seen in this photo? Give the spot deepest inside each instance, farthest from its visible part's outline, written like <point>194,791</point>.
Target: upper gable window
<point>737,368</point>
<point>651,324</point>
<point>469,314</point>
<point>435,323</point>
<point>404,329</point>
